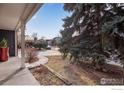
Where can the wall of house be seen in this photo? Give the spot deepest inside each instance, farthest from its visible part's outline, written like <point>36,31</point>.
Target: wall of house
<point>10,36</point>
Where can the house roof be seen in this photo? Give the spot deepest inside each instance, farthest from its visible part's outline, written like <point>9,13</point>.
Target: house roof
<point>11,15</point>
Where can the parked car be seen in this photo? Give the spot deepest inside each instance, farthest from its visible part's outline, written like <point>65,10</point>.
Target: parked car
<point>49,47</point>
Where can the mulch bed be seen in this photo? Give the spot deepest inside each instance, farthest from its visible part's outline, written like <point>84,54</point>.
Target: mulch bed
<point>45,77</point>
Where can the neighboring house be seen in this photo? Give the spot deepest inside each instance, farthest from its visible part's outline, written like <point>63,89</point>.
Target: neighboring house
<point>27,39</point>
<point>49,41</point>
<point>13,19</point>
<point>56,41</point>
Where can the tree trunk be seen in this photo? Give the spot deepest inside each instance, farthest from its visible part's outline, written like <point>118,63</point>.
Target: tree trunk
<point>101,38</point>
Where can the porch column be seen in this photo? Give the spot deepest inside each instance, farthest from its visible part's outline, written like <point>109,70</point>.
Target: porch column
<point>23,45</point>
<point>16,43</point>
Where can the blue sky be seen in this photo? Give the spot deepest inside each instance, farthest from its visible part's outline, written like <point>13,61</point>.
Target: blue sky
<point>47,22</point>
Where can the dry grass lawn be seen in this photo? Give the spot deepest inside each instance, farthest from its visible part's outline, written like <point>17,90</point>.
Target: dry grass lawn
<point>81,75</point>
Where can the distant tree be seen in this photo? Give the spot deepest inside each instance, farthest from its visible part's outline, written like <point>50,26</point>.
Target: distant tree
<point>43,38</point>
<point>40,44</point>
<point>34,35</point>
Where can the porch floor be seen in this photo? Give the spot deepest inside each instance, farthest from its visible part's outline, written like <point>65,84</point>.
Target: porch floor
<point>11,74</point>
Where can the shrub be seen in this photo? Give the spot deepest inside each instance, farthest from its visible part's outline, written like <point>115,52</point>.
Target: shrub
<point>40,44</point>
<point>29,43</point>
<point>31,55</point>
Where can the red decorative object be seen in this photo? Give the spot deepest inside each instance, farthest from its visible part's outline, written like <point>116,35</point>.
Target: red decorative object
<point>4,54</point>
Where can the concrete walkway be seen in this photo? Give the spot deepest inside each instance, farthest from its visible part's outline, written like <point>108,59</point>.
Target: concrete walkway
<point>11,74</point>
<point>42,58</point>
<point>49,53</point>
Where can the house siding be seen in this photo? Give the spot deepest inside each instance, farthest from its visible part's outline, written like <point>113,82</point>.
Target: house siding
<point>10,36</point>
